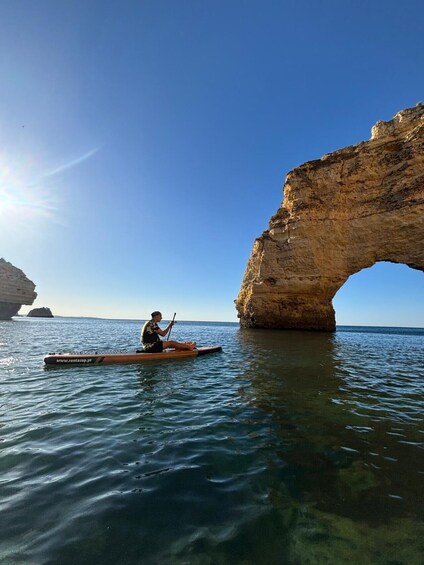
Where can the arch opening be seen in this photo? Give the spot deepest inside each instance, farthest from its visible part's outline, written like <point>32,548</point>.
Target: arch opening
<point>386,294</point>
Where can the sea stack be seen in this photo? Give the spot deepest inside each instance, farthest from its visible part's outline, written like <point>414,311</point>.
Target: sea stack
<point>15,289</point>
<point>43,312</point>
<point>340,214</point>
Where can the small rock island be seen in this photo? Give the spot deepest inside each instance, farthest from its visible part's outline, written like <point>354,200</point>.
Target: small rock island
<point>15,289</point>
<point>43,312</point>
<point>340,214</point>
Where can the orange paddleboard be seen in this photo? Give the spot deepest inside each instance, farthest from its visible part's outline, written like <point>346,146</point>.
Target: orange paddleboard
<point>64,359</point>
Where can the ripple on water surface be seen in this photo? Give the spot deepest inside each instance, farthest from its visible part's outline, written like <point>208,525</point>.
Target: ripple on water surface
<point>286,448</point>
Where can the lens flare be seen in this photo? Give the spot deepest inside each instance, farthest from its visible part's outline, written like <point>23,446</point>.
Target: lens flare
<point>22,199</point>
<point>29,194</point>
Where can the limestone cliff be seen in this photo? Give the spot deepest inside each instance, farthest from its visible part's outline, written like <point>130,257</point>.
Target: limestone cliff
<point>340,214</point>
<point>15,289</point>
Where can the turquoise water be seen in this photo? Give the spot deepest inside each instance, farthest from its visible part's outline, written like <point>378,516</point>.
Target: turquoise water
<point>286,448</point>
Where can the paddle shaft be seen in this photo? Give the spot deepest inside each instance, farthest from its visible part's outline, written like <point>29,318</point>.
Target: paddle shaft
<point>169,333</point>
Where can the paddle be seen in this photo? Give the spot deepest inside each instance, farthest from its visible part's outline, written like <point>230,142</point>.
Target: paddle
<point>169,333</point>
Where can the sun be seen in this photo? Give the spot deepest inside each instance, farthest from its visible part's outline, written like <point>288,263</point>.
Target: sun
<point>31,192</point>
<point>25,196</point>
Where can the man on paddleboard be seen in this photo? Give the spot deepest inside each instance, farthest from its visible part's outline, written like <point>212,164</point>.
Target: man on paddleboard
<point>151,341</point>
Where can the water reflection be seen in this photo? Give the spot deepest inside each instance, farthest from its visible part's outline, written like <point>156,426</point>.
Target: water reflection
<point>344,445</point>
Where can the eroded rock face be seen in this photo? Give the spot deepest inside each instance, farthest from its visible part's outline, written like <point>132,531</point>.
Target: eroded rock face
<point>340,214</point>
<point>15,289</point>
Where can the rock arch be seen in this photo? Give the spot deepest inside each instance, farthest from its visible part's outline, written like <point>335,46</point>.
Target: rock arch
<point>340,214</point>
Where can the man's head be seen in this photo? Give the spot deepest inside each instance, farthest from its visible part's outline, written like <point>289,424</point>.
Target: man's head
<point>156,316</point>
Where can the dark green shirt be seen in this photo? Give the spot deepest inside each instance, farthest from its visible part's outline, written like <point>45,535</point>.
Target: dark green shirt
<point>149,334</point>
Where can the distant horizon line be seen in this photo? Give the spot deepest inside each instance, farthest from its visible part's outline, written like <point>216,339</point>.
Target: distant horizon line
<point>211,322</point>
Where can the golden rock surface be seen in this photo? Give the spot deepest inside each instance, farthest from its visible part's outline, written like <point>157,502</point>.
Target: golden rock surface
<point>15,289</point>
<point>340,214</point>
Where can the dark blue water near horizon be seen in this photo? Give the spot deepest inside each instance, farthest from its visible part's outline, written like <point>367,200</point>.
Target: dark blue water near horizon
<point>286,448</point>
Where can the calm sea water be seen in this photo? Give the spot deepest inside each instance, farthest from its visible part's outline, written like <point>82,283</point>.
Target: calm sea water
<point>286,448</point>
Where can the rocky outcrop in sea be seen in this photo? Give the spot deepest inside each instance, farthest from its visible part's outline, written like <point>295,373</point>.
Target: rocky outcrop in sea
<point>15,289</point>
<point>43,312</point>
<point>340,214</point>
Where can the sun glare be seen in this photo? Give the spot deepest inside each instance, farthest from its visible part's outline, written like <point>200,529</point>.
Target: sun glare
<point>31,192</point>
<point>24,199</point>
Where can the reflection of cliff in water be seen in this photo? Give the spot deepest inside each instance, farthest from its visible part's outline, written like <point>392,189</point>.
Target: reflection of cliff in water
<point>337,450</point>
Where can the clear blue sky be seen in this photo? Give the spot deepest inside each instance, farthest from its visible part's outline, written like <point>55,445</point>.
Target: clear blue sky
<point>144,144</point>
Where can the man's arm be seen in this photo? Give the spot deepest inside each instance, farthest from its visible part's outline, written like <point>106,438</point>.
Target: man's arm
<point>164,332</point>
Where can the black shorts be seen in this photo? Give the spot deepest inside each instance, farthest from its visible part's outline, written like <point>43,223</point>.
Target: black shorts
<point>156,347</point>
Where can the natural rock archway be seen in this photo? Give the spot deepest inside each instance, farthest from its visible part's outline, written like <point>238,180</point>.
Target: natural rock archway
<point>340,214</point>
